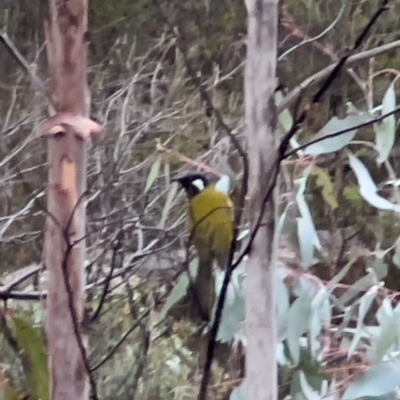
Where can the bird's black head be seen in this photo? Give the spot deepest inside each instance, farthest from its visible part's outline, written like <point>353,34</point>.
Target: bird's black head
<point>193,183</point>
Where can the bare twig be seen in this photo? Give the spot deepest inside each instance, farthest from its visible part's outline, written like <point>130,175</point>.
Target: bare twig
<point>319,36</point>
<point>120,342</point>
<point>37,82</point>
<point>321,75</point>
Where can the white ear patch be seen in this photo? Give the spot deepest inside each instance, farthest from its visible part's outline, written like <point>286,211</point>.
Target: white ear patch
<point>224,184</point>
<point>199,184</point>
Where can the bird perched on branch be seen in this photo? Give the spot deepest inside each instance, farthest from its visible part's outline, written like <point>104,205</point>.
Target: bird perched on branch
<point>211,219</point>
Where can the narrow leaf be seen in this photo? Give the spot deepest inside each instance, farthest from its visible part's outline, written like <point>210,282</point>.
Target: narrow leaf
<point>305,211</point>
<point>396,255</point>
<point>379,380</point>
<point>283,304</point>
<point>238,393</point>
<point>388,335</point>
<point>332,144</point>
<point>343,272</point>
<point>365,305</point>
<point>180,289</point>
<point>385,130</point>
<point>153,174</point>
<point>171,196</point>
<point>307,389</point>
<point>305,230</point>
<point>167,173</point>
<point>298,320</point>
<point>285,117</point>
<point>368,189</point>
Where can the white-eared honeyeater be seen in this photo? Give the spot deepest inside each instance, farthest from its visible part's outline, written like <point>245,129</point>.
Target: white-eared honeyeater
<point>211,218</point>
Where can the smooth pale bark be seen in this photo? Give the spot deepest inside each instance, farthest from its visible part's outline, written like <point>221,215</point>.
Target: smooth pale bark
<point>65,224</point>
<point>260,84</point>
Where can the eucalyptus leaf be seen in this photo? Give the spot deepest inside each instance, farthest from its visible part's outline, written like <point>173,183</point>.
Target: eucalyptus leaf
<point>167,173</point>
<point>314,333</point>
<point>298,321</point>
<point>180,289</point>
<point>332,144</point>
<point>388,334</point>
<point>235,286</point>
<point>238,393</point>
<point>322,306</point>
<point>283,305</point>
<point>232,320</point>
<point>365,305</point>
<point>234,307</point>
<point>385,130</point>
<point>305,211</point>
<point>308,391</point>
<point>283,217</point>
<point>368,189</point>
<point>385,311</point>
<point>388,396</point>
<point>285,117</point>
<point>396,255</point>
<point>321,314</point>
<point>171,196</point>
<point>343,272</point>
<point>362,284</point>
<point>153,174</point>
<point>379,380</point>
<point>305,230</point>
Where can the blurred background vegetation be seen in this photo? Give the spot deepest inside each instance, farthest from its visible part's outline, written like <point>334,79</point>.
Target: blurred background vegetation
<point>142,92</point>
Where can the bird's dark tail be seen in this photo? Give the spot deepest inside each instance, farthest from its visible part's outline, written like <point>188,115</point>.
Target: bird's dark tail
<point>202,290</point>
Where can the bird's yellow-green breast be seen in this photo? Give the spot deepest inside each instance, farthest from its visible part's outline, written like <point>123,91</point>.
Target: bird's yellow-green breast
<point>212,223</point>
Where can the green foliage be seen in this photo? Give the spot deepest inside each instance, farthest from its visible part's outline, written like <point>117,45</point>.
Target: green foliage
<point>32,344</point>
<point>131,47</point>
<point>29,346</point>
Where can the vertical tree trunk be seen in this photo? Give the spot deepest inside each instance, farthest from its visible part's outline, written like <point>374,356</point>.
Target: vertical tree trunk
<point>260,84</point>
<point>66,219</point>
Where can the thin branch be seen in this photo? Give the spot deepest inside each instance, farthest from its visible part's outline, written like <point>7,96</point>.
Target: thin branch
<point>299,33</point>
<point>120,342</point>
<point>319,36</point>
<point>37,82</point>
<point>19,277</point>
<point>321,75</point>
<point>107,282</point>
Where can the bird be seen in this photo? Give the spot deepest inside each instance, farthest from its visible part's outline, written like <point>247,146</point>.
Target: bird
<point>211,221</point>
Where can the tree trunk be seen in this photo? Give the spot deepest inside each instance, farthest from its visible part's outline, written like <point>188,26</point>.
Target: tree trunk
<point>67,134</point>
<point>260,84</point>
